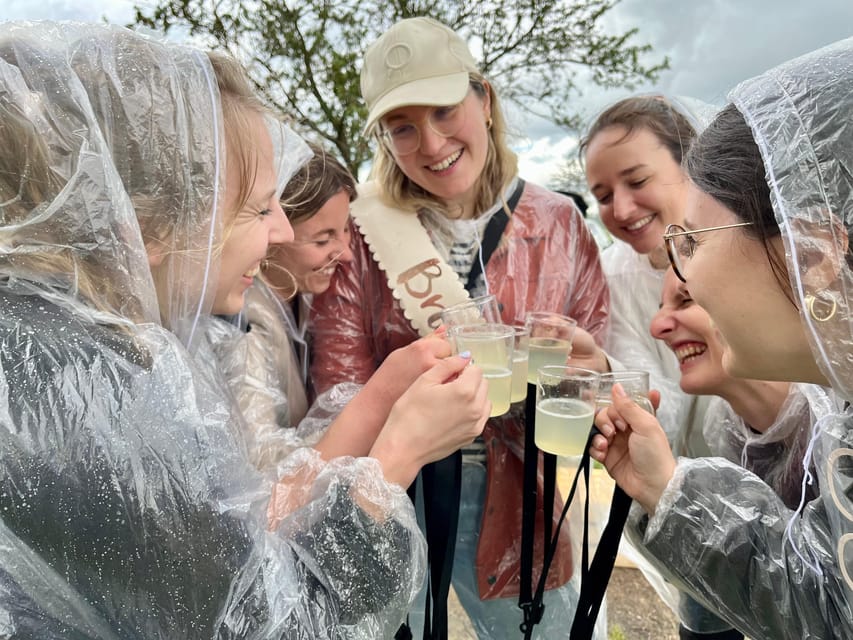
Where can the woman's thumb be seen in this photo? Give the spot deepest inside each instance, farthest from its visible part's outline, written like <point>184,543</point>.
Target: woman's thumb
<point>447,369</point>
<point>631,412</point>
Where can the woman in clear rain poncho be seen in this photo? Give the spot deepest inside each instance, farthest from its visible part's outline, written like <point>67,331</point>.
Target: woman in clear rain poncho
<point>768,257</point>
<point>433,201</point>
<point>263,352</point>
<point>138,195</point>
<point>762,425</point>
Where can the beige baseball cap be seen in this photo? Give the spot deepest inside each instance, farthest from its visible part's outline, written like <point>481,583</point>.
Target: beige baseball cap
<point>418,61</point>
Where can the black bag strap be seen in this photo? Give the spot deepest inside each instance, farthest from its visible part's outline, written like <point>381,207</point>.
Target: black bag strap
<point>492,234</point>
<point>594,576</point>
<point>442,484</point>
<point>531,615</point>
<point>595,582</point>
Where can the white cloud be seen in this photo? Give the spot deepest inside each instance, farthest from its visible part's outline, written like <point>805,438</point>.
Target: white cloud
<point>712,45</point>
<point>115,11</point>
<point>540,159</point>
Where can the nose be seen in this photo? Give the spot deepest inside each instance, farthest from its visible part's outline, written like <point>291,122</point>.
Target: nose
<point>623,204</point>
<point>345,254</point>
<point>431,142</point>
<point>280,228</point>
<point>663,323</point>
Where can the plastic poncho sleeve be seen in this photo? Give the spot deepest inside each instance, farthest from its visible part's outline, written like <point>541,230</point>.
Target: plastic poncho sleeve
<point>719,532</point>
<point>132,513</point>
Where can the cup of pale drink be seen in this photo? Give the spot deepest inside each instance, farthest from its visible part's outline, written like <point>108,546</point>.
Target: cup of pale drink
<point>550,341</point>
<point>634,382</point>
<point>492,347</point>
<point>482,309</point>
<point>565,408</point>
<point>519,363</point>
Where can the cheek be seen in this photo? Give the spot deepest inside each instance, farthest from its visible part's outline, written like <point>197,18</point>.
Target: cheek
<point>605,213</point>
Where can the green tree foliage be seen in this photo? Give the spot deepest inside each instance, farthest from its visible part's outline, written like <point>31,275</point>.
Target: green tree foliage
<point>305,56</point>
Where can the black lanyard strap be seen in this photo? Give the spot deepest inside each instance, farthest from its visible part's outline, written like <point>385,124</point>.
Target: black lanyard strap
<point>594,576</point>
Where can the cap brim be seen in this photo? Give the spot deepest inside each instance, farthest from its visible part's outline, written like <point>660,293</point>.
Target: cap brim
<point>439,91</point>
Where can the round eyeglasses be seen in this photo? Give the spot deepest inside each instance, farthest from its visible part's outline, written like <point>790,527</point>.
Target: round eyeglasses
<point>681,245</point>
<point>403,137</point>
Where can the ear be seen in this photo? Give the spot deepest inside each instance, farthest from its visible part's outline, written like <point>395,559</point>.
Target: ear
<point>156,251</point>
<point>825,257</point>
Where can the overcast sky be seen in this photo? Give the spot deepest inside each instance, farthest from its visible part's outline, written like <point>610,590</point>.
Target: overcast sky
<point>712,45</point>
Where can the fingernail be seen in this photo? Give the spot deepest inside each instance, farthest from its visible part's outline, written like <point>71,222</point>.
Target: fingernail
<point>618,390</point>
<point>465,354</point>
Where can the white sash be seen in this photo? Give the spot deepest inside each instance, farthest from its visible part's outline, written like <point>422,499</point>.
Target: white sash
<point>417,275</point>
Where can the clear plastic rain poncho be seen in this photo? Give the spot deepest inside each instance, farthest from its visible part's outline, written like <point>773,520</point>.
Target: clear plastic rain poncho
<point>776,455</point>
<point>128,506</point>
<point>775,572</point>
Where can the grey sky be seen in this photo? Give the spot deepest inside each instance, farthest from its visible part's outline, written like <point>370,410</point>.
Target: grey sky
<point>712,45</point>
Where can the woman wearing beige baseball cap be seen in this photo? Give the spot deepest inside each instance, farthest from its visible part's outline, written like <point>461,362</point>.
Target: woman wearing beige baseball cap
<point>445,208</point>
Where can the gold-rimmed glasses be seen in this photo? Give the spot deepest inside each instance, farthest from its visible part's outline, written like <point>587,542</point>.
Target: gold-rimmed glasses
<point>680,244</point>
<point>403,137</point>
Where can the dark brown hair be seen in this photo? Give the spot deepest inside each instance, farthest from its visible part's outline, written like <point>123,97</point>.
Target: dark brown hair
<point>319,179</point>
<point>654,113</point>
<point>725,163</point>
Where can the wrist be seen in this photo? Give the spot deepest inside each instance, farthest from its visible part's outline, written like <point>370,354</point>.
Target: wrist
<point>398,462</point>
<point>651,498</point>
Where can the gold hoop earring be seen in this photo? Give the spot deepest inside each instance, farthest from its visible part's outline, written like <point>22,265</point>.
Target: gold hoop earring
<point>287,294</point>
<point>821,309</point>
<point>489,123</point>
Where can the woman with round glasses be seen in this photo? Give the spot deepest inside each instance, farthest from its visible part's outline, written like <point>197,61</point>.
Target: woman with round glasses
<point>445,190</point>
<point>769,258</point>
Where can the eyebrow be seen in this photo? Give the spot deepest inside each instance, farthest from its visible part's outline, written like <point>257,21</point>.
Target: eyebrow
<point>622,173</point>
<point>395,118</point>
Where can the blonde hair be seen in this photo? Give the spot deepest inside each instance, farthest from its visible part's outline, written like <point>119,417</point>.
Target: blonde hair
<point>159,184</point>
<point>500,167</point>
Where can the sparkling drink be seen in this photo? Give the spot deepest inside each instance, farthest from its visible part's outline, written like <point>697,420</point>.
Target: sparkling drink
<point>546,351</point>
<point>519,379</point>
<point>500,384</point>
<point>562,425</point>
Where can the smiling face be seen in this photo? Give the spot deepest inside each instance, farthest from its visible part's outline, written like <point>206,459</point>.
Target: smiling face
<point>687,330</point>
<point>730,276</point>
<point>253,225</point>
<point>321,242</point>
<point>448,168</point>
<point>639,186</point>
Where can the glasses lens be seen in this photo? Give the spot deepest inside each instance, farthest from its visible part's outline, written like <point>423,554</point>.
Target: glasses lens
<point>447,121</point>
<point>402,139</point>
<point>405,138</point>
<point>674,249</point>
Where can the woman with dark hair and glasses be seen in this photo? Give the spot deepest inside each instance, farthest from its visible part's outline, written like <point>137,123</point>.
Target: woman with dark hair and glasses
<point>765,250</point>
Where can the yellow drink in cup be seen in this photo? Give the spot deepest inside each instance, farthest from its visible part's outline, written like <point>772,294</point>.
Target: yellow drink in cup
<point>491,346</point>
<point>519,363</point>
<point>565,408</point>
<point>550,340</point>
